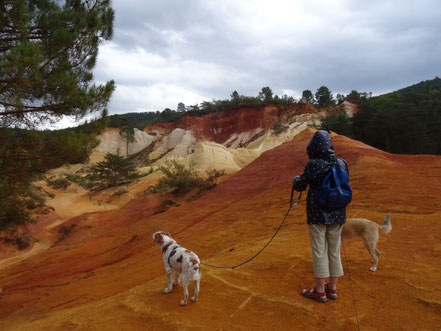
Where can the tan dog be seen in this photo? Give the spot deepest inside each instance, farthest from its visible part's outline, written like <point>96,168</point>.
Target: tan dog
<point>180,261</point>
<point>368,230</point>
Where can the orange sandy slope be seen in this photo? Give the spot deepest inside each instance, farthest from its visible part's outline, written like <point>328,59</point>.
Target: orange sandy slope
<point>109,273</point>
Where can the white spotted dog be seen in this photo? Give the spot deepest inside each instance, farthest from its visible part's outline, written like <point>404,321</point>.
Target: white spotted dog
<point>183,263</point>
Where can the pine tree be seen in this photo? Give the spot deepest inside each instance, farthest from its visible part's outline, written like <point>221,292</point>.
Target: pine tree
<point>47,53</point>
<point>48,49</point>
<point>307,97</point>
<point>127,132</point>
<point>115,170</point>
<point>324,97</point>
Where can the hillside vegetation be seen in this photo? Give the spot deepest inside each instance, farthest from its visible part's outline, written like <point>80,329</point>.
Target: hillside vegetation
<point>25,155</point>
<point>48,50</point>
<point>236,101</point>
<point>406,121</point>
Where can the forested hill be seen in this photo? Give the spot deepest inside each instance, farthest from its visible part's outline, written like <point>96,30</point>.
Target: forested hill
<point>424,86</point>
<point>407,121</point>
<point>135,120</point>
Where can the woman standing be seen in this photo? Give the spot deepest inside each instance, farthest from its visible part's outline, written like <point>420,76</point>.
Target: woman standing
<point>324,225</point>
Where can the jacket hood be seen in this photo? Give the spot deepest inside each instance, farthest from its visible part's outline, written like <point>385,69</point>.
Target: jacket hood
<point>320,146</point>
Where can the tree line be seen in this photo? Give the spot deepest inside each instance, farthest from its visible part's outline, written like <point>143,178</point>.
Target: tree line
<point>321,99</point>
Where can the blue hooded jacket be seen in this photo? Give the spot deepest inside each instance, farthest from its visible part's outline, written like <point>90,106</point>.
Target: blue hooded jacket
<point>321,156</point>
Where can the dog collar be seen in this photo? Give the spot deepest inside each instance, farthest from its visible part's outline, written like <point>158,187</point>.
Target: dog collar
<point>169,255</point>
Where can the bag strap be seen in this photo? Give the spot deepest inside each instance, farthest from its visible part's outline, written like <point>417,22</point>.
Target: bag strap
<point>336,178</point>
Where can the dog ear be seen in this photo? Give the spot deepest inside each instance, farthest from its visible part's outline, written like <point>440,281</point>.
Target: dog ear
<point>158,238</point>
<point>168,234</point>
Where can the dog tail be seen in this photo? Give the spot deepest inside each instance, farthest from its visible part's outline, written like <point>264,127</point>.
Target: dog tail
<point>387,226</point>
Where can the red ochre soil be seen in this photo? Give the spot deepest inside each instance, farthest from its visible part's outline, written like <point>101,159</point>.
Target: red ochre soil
<point>108,273</point>
<point>221,125</point>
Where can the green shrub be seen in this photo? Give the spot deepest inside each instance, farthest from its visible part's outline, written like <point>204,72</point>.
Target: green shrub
<point>279,128</point>
<point>36,194</point>
<point>166,204</point>
<point>120,192</point>
<point>339,123</point>
<point>178,179</point>
<point>208,183</point>
<point>22,240</point>
<point>59,184</point>
<point>65,230</point>
<point>13,212</point>
<point>31,204</point>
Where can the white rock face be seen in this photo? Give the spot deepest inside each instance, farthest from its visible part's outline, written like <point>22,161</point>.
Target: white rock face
<point>239,140</point>
<point>269,140</point>
<point>178,144</point>
<point>183,146</point>
<point>112,142</point>
<point>209,155</point>
<point>349,108</point>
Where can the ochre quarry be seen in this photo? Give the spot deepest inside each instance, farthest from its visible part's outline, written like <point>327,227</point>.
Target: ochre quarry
<point>220,126</point>
<point>108,272</point>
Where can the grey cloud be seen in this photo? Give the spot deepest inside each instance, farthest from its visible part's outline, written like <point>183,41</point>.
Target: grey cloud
<point>210,49</point>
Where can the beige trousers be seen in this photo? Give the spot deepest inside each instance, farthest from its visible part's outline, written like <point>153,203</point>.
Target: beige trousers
<point>325,245</point>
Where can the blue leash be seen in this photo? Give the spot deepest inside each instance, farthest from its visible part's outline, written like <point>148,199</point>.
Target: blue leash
<point>255,255</point>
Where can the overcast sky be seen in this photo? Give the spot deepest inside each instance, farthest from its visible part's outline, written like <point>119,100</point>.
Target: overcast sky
<point>169,51</point>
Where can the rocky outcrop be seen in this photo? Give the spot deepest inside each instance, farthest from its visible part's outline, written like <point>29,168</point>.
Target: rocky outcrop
<point>229,139</point>
<point>112,142</point>
<point>347,106</point>
<point>225,140</point>
<point>224,127</point>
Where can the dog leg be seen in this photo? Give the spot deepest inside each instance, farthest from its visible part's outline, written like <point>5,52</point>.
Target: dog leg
<point>185,282</point>
<point>375,261</point>
<point>169,282</point>
<point>196,291</point>
<point>177,278</point>
<point>378,255</point>
<point>375,254</point>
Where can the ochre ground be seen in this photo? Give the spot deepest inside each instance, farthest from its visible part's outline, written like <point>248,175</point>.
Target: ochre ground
<point>108,273</point>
